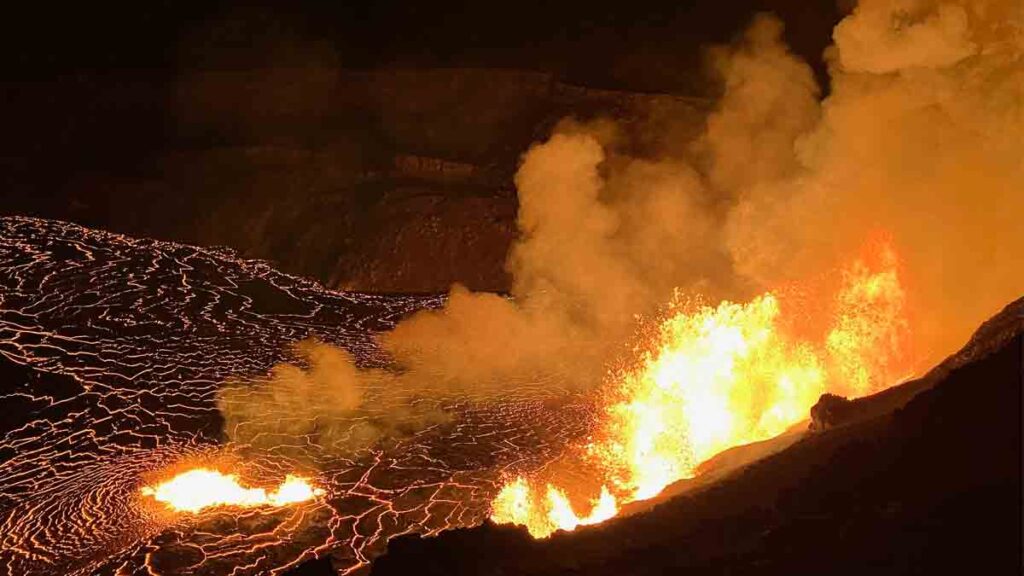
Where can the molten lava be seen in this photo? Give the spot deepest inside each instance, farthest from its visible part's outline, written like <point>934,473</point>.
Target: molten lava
<point>719,377</point>
<point>201,488</point>
<point>515,505</point>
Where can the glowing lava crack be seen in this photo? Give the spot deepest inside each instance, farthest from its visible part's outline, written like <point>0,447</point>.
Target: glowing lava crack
<point>202,488</point>
<point>112,350</point>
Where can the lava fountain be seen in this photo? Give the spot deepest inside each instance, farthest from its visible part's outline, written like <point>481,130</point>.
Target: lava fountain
<point>201,488</point>
<point>718,377</point>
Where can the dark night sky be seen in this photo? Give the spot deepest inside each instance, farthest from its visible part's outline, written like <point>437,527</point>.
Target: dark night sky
<point>639,45</point>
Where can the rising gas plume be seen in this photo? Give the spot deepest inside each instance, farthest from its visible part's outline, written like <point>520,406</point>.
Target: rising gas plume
<point>323,396</point>
<point>707,294</point>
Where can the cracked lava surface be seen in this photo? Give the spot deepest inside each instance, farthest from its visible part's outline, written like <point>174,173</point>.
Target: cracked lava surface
<point>112,349</point>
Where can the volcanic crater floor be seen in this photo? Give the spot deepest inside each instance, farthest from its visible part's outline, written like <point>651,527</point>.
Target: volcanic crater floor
<point>112,350</point>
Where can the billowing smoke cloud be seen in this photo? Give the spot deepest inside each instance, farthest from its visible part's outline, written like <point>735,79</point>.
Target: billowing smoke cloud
<point>770,100</point>
<point>919,139</point>
<point>322,398</point>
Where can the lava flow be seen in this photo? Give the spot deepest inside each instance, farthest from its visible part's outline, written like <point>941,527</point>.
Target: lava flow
<point>201,488</point>
<point>85,418</point>
<point>719,377</point>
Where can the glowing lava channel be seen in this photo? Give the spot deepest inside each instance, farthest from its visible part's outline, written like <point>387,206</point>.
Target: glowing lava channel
<point>719,377</point>
<point>201,488</point>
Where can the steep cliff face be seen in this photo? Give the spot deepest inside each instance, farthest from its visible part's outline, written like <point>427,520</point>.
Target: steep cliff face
<point>426,241</point>
<point>393,180</point>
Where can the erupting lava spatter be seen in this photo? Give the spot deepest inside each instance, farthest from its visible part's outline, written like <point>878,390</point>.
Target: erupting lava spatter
<point>202,488</point>
<point>719,377</point>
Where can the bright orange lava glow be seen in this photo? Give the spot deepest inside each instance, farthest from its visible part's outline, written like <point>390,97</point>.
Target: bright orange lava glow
<point>719,377</point>
<point>201,488</point>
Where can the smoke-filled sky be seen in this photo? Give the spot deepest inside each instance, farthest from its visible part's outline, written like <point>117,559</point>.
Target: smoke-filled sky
<point>918,141</point>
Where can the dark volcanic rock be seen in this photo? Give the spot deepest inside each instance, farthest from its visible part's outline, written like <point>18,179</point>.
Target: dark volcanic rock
<point>426,242</point>
<point>933,486</point>
<point>830,410</point>
<point>390,180</point>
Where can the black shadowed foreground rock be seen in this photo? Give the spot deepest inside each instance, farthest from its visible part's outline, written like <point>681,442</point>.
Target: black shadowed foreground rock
<point>933,485</point>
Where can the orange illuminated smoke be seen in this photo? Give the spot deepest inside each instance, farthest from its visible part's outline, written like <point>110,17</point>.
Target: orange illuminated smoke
<point>719,377</point>
<point>202,488</point>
